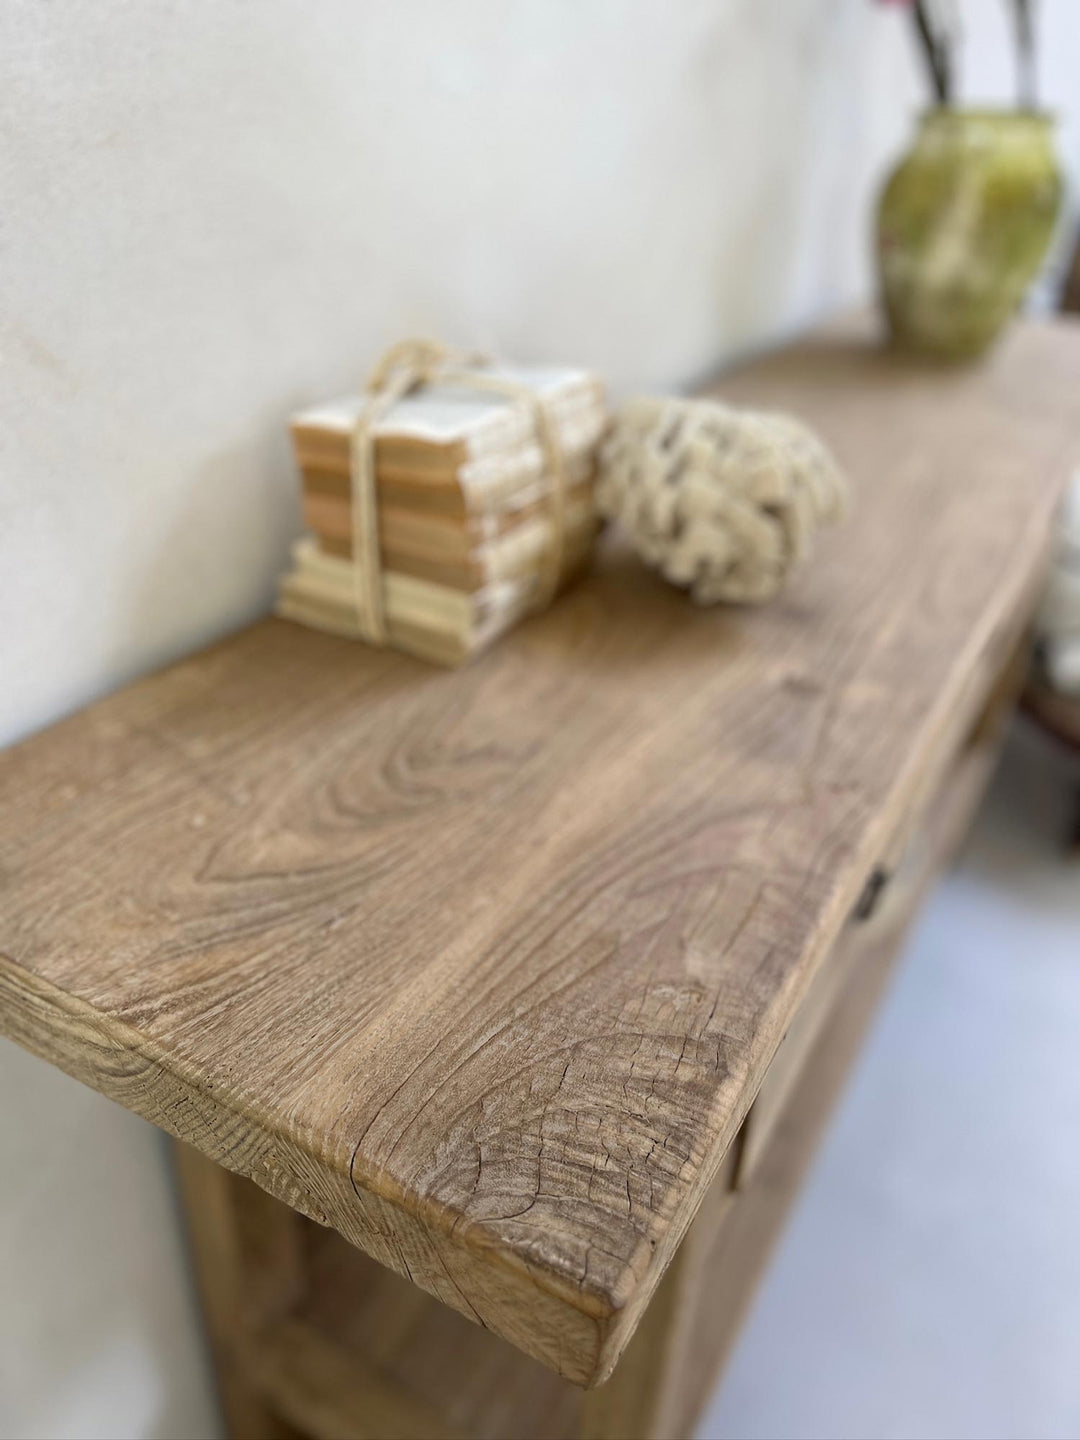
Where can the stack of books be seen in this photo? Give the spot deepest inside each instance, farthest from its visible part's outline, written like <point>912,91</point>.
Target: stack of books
<point>471,534</point>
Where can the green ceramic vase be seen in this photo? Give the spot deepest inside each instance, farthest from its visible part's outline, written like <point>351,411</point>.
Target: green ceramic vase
<point>964,223</point>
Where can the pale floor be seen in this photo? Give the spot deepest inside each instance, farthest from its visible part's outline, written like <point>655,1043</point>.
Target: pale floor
<point>928,1282</point>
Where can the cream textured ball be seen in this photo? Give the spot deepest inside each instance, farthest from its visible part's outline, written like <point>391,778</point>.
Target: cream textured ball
<point>719,500</point>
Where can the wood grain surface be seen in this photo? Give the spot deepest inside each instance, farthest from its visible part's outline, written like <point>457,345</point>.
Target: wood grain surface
<point>305,1325</point>
<point>483,969</point>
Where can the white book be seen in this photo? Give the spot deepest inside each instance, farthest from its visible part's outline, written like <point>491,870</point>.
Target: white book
<point>484,422</point>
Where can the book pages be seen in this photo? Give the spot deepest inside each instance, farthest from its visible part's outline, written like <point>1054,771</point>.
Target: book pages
<point>465,507</point>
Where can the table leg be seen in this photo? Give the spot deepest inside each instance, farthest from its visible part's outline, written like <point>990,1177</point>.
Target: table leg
<point>235,1291</point>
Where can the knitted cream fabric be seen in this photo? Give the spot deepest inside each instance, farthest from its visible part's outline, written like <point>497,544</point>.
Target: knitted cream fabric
<point>723,501</point>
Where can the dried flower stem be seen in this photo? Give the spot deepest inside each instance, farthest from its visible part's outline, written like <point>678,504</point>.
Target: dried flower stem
<point>936,52</point>
<point>1024,19</point>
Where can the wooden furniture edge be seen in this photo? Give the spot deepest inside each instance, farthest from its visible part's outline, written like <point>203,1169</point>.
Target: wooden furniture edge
<point>113,1058</point>
<point>960,708</point>
<point>660,1393</point>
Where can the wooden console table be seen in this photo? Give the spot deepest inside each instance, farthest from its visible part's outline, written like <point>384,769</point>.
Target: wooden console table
<point>521,992</point>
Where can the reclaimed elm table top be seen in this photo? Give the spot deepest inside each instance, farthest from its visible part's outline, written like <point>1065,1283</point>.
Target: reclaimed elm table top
<point>483,967</point>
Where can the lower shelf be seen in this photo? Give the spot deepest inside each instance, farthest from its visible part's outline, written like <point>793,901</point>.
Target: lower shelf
<point>367,1354</point>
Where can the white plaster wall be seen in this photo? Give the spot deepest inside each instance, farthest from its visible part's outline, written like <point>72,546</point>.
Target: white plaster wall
<point>215,211</point>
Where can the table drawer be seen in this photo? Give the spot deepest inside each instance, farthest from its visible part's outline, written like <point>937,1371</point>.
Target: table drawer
<point>921,845</point>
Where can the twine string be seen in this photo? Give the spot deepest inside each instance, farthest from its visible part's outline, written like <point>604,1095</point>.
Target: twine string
<point>404,368</point>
